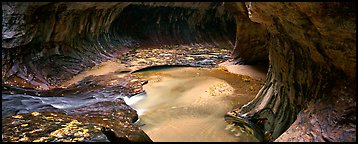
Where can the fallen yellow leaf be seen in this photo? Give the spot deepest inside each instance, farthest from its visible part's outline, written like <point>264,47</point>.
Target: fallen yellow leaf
<point>35,130</point>
<point>14,138</point>
<point>37,140</point>
<point>85,130</point>
<point>152,59</point>
<point>24,139</point>
<point>17,116</point>
<point>78,139</point>
<point>48,118</point>
<point>59,120</point>
<point>35,113</point>
<point>24,125</point>
<point>189,58</point>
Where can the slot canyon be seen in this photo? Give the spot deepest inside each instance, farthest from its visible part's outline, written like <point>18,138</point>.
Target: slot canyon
<point>178,71</point>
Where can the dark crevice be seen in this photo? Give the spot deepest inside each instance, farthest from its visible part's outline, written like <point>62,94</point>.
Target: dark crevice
<point>111,136</point>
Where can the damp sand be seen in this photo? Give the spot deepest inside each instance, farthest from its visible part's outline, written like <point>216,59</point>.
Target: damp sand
<point>189,104</point>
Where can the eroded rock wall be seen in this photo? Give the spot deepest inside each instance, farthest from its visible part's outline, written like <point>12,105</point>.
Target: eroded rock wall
<point>251,37</point>
<point>59,40</point>
<point>46,43</point>
<point>312,52</point>
<point>311,49</point>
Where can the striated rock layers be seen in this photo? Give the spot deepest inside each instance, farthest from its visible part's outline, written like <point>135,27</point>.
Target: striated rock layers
<point>311,78</point>
<point>309,93</point>
<point>45,43</point>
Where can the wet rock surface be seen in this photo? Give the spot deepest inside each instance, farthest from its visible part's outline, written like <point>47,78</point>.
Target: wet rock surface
<point>199,56</point>
<point>100,122</point>
<point>110,120</point>
<point>97,100</point>
<point>49,127</point>
<point>310,47</point>
<point>111,84</point>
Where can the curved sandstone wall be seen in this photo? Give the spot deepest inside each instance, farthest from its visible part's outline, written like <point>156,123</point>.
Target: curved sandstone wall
<point>309,93</point>
<point>311,78</point>
<point>46,43</point>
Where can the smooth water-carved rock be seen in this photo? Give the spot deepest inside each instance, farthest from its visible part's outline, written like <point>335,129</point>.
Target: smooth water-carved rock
<point>328,119</point>
<point>251,37</point>
<point>309,45</point>
<point>73,36</point>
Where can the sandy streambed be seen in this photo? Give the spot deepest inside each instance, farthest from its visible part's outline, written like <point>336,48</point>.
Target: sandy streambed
<point>189,104</point>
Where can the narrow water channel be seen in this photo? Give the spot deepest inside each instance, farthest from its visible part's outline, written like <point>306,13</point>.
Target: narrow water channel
<point>188,104</point>
<point>184,104</point>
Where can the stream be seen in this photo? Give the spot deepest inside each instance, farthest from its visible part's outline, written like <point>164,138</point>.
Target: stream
<point>188,104</point>
<point>179,103</point>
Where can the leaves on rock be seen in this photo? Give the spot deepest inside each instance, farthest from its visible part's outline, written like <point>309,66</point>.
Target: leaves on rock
<point>17,116</point>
